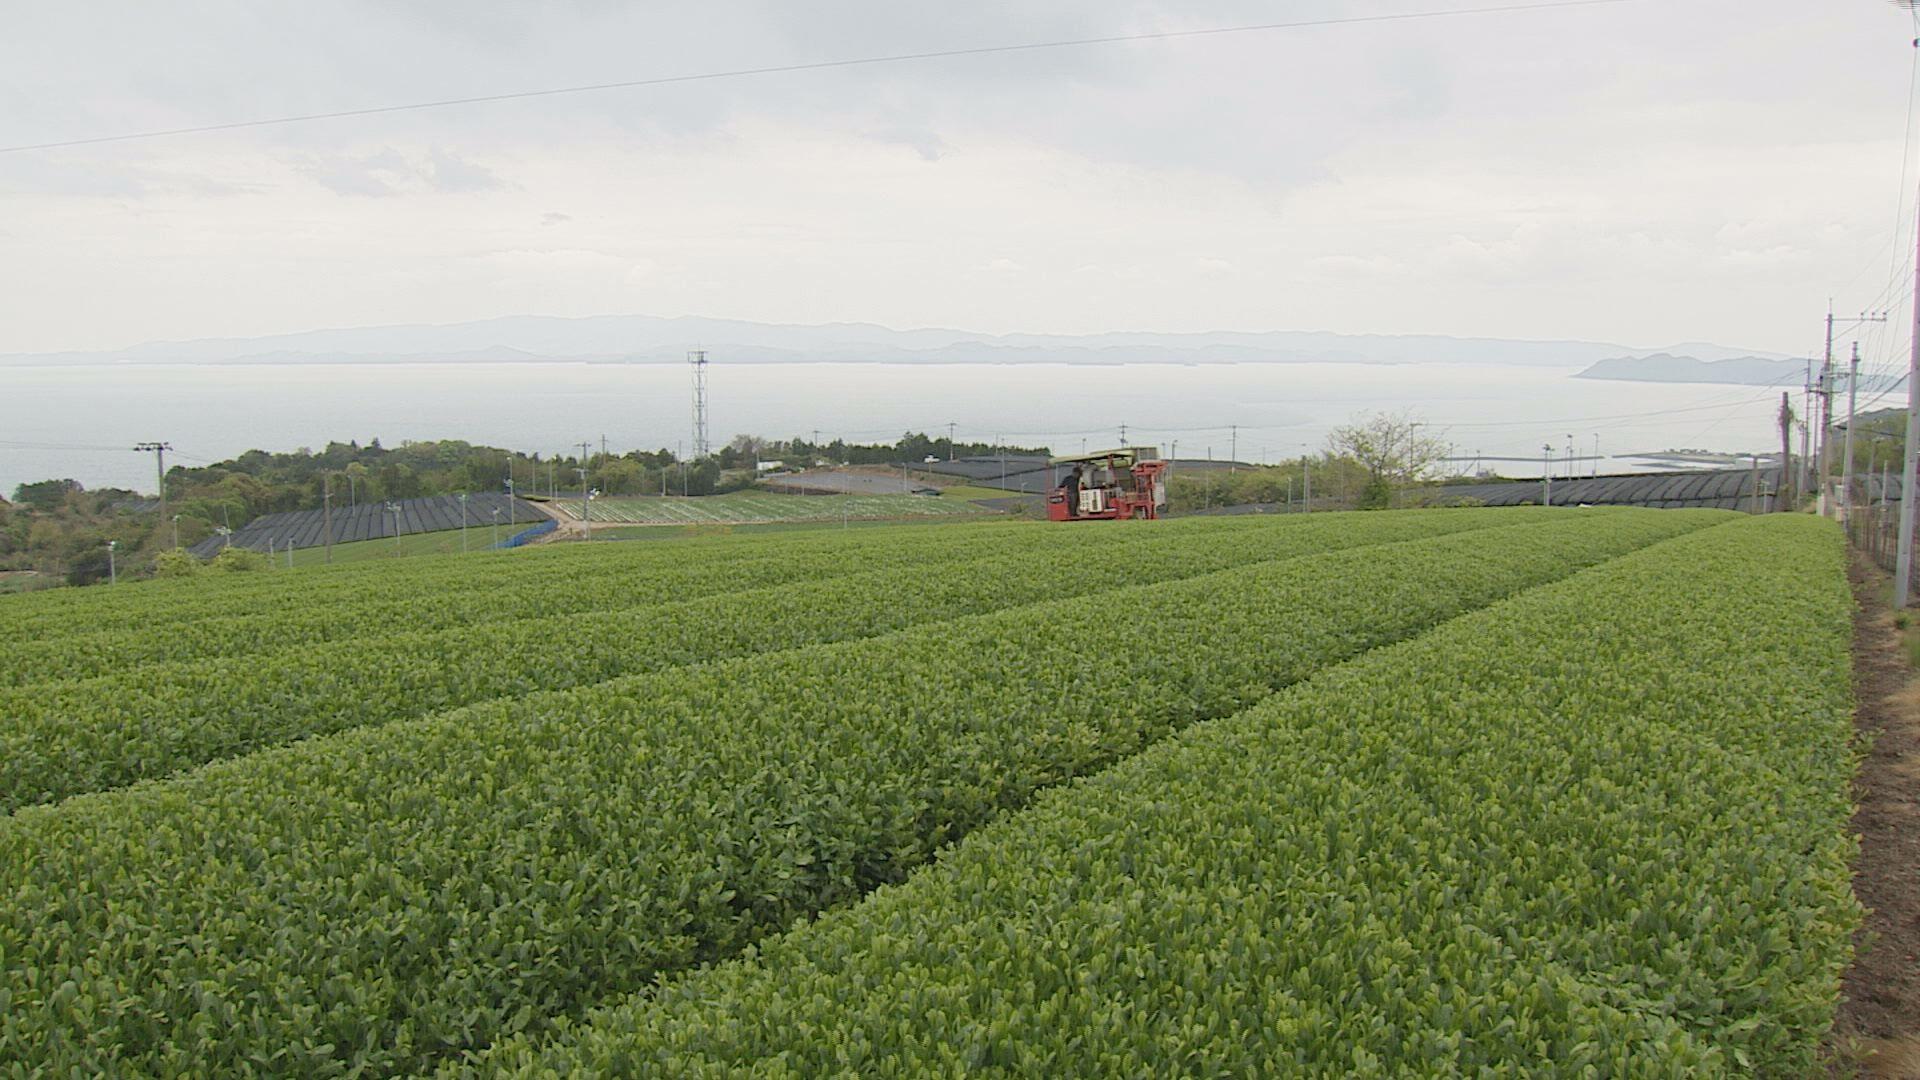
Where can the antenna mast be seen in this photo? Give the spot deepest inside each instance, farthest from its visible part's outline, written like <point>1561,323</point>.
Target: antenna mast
<point>698,358</point>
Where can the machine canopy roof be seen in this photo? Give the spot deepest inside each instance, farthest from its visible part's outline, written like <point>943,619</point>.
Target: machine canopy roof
<point>1125,455</point>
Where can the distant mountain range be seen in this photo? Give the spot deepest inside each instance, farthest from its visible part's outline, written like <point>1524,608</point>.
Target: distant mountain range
<point>644,339</point>
<point>1733,371</point>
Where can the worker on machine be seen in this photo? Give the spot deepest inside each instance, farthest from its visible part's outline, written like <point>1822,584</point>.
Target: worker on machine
<point>1072,486</point>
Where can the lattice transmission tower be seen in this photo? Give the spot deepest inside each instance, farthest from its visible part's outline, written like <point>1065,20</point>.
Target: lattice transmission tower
<point>698,359</point>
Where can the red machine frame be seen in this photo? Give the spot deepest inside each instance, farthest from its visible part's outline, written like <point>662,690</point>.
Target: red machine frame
<point>1140,501</point>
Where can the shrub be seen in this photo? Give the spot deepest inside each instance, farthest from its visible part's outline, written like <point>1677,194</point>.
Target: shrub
<point>176,563</point>
<point>238,561</point>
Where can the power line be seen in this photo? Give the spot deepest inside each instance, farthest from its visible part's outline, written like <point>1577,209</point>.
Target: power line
<point>1739,399</point>
<point>1896,385</point>
<point>1900,200</point>
<point>17,445</point>
<point>1744,398</point>
<point>1906,157</point>
<point>1896,295</point>
<point>1899,284</point>
<point>822,65</point>
<point>1900,280</point>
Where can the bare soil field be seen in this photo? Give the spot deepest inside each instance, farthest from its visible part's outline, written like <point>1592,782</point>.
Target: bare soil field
<point>1878,1029</point>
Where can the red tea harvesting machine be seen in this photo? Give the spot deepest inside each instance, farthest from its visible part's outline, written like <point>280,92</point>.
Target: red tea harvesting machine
<point>1127,484</point>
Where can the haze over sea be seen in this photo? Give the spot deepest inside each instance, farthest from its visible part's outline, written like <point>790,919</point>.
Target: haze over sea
<point>80,420</point>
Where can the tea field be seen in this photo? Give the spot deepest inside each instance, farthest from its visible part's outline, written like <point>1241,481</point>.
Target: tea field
<point>1461,791</point>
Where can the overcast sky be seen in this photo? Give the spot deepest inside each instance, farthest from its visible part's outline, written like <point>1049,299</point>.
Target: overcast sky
<point>1644,173</point>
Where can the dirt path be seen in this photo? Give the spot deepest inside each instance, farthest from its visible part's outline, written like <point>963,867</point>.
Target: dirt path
<point>1879,1023</point>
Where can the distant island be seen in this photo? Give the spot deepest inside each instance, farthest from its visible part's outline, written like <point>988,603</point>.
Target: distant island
<point>1732,371</point>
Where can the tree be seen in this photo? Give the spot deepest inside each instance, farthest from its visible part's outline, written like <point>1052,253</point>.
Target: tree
<point>746,448</point>
<point>45,495</point>
<point>359,482</point>
<point>397,481</point>
<point>916,447</point>
<point>619,476</point>
<point>1393,448</point>
<point>702,477</point>
<point>485,470</point>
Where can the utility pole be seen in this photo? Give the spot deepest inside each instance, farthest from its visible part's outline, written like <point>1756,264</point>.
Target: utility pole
<point>113,570</point>
<point>1826,396</point>
<point>1233,455</point>
<point>1306,483</point>
<point>326,512</point>
<point>1596,456</point>
<point>1123,435</point>
<point>1903,559</point>
<point>1853,403</point>
<point>1826,416</point>
<point>586,504</point>
<point>1546,474</point>
<point>949,440</point>
<point>159,452</point>
<point>1787,485</point>
<point>1886,490</point>
<point>463,523</point>
<point>1804,478</point>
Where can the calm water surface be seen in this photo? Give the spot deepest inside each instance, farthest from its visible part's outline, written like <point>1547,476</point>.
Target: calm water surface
<point>88,413</point>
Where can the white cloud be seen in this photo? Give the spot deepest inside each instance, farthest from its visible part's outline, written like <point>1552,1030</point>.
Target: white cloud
<point>449,172</point>
<point>1619,173</point>
<point>376,174</point>
<point>388,172</point>
<point>923,141</point>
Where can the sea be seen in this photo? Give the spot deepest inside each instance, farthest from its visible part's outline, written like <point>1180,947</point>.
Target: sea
<point>82,421</point>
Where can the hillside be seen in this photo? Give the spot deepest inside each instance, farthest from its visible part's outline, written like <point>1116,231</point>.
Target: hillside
<point>1732,371</point>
